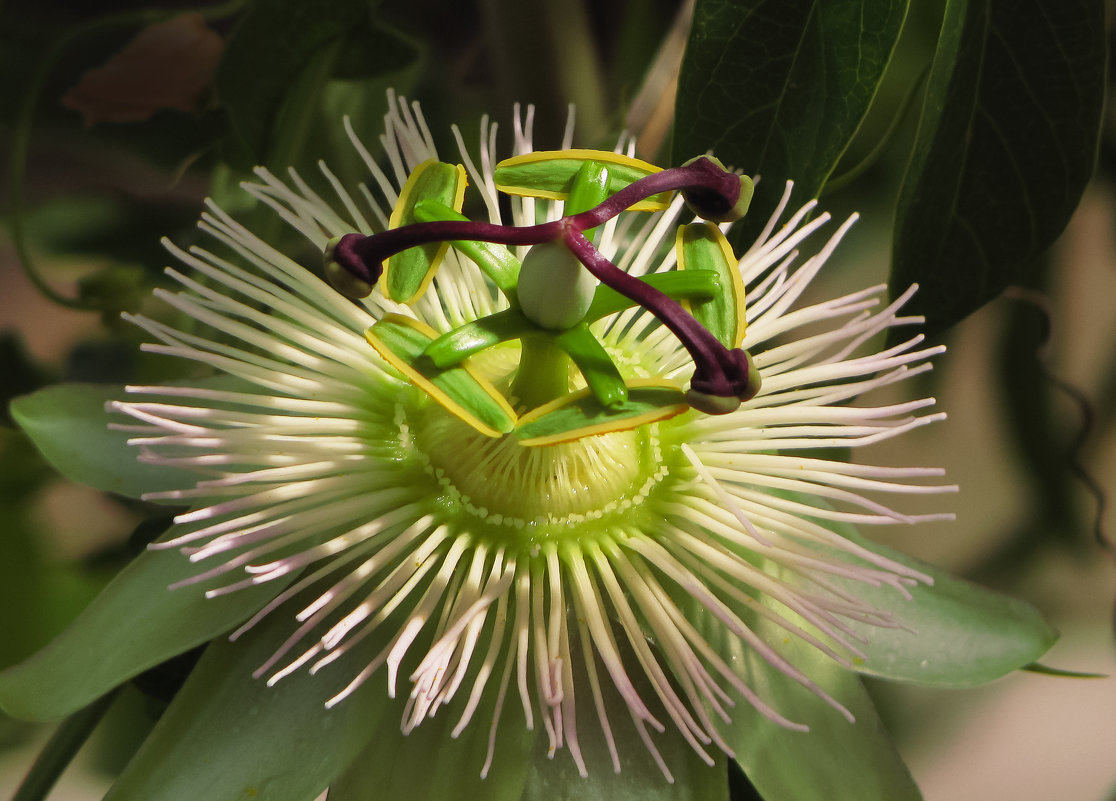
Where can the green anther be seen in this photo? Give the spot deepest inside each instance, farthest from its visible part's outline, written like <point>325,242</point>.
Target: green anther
<point>702,249</point>
<point>409,273</point>
<point>454,346</point>
<point>693,285</point>
<point>495,261</point>
<point>595,365</point>
<point>589,189</point>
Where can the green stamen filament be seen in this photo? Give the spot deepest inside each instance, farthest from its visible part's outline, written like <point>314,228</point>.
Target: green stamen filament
<point>543,375</point>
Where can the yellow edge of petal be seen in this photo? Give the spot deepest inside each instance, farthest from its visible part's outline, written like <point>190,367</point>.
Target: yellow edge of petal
<point>546,194</point>
<point>423,383</point>
<point>397,214</point>
<point>737,284</point>
<point>734,276</point>
<point>606,156</point>
<point>626,424</point>
<point>405,193</point>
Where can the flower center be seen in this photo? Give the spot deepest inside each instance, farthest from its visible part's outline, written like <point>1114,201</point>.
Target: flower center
<point>506,483</point>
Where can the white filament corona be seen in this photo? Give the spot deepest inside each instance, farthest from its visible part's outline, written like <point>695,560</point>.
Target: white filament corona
<point>560,578</point>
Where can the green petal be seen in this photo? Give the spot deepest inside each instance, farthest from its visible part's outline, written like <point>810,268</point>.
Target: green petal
<point>702,247</point>
<point>229,737</point>
<point>408,274</point>
<point>69,425</point>
<point>134,624</point>
<point>835,759</point>
<point>429,763</point>
<point>958,634</point>
<point>465,394</point>
<point>550,174</point>
<point>580,414</point>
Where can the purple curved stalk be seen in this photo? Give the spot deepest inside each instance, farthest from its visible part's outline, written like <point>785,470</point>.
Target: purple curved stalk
<point>720,371</point>
<point>363,256</point>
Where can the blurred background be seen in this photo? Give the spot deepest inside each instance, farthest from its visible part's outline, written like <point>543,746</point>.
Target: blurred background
<point>117,159</point>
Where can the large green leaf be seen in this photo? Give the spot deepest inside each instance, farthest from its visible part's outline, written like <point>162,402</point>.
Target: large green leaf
<point>429,763</point>
<point>639,779</point>
<point>1005,146</point>
<point>778,88</point>
<point>266,55</point>
<point>69,425</point>
<point>229,737</point>
<point>134,624</point>
<point>956,634</point>
<point>835,758</point>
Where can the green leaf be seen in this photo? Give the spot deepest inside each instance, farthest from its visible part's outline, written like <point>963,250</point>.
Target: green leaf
<point>835,758</point>
<point>1061,673</point>
<point>429,763</point>
<point>581,415</point>
<point>371,49</point>
<point>70,427</point>
<point>265,55</point>
<point>778,88</point>
<point>1005,146</point>
<point>229,737</point>
<point>639,779</point>
<point>135,623</point>
<point>956,634</point>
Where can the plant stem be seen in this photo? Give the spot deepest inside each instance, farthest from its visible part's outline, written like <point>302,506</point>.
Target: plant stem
<point>60,749</point>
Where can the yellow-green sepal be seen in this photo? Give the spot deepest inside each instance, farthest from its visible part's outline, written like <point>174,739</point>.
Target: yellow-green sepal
<point>600,372</point>
<point>495,261</point>
<point>702,247</point>
<point>408,274</point>
<point>550,174</point>
<point>580,414</point>
<point>401,341</point>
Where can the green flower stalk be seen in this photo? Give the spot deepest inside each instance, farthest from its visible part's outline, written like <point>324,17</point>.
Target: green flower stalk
<point>558,470</point>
